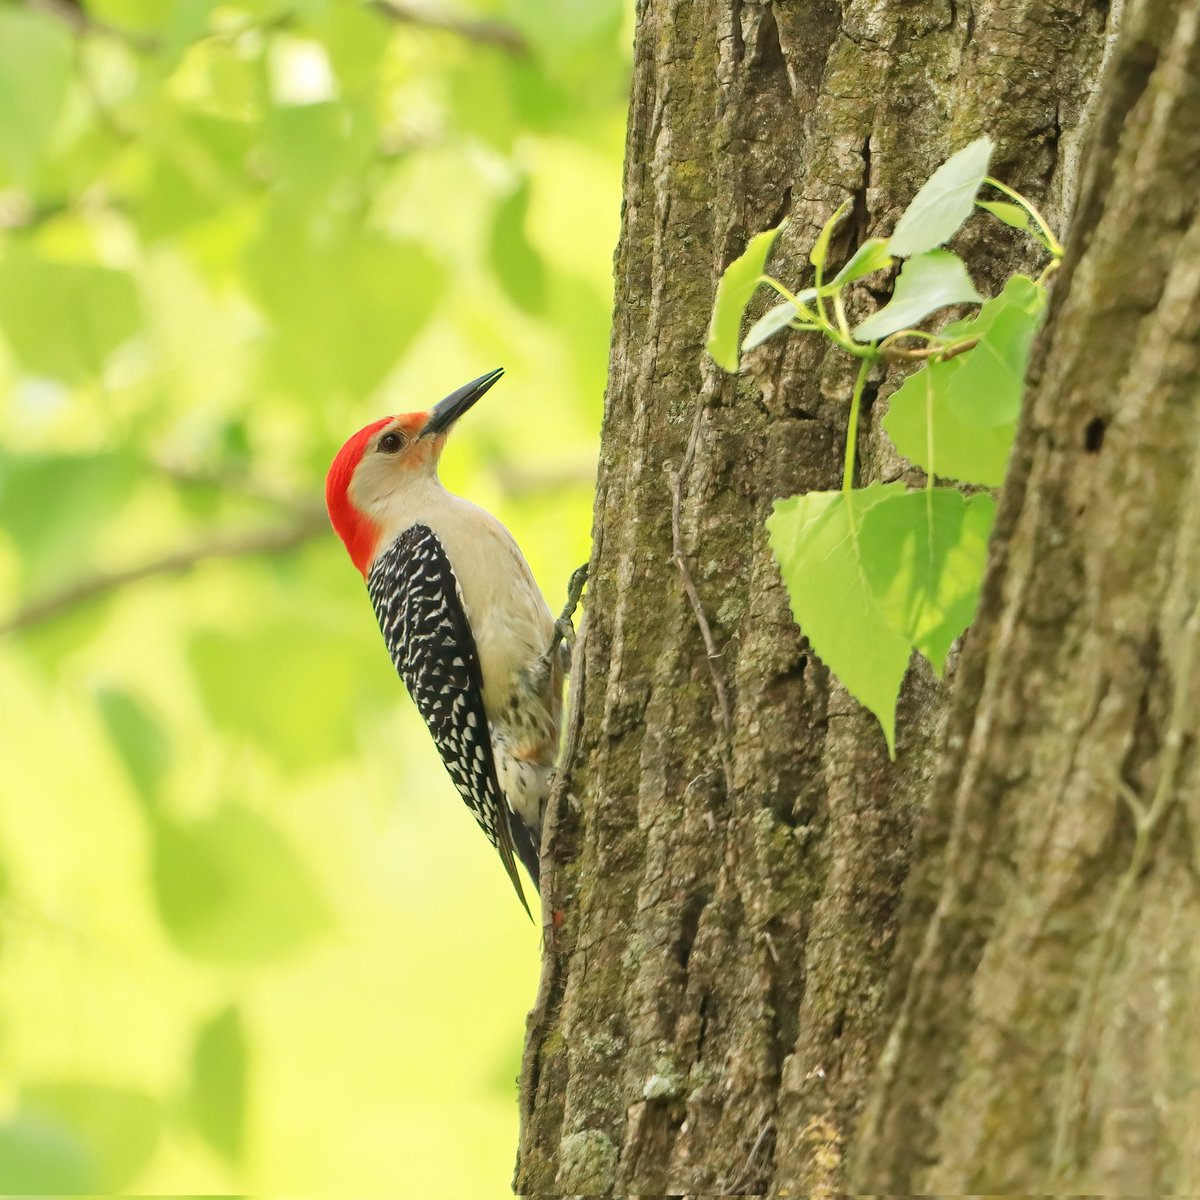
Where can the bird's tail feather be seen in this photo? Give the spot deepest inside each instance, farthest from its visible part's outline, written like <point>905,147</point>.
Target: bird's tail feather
<point>525,843</point>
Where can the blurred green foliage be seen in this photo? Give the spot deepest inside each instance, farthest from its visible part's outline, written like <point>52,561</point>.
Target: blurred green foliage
<point>250,940</point>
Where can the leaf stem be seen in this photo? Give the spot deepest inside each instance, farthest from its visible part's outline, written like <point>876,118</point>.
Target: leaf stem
<point>886,344</point>
<point>799,305</point>
<point>1044,278</point>
<point>817,282</point>
<point>852,426</point>
<point>1052,243</point>
<point>839,310</point>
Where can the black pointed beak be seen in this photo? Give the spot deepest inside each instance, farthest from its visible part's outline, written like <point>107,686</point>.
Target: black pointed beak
<point>446,412</point>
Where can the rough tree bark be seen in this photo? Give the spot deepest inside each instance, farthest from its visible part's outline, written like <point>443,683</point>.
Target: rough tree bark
<point>725,862</point>
<point>1048,1038</point>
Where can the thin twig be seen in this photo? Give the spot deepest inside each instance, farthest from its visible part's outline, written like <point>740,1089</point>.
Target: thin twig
<point>938,353</point>
<point>562,774</point>
<point>268,541</point>
<point>551,978</point>
<point>746,1177</point>
<point>538,676</point>
<point>564,630</point>
<point>483,33</point>
<point>677,480</point>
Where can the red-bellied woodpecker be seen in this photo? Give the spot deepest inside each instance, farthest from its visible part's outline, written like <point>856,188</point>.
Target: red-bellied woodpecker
<point>464,621</point>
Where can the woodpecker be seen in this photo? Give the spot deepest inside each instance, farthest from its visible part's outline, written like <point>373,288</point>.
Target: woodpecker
<point>465,624</point>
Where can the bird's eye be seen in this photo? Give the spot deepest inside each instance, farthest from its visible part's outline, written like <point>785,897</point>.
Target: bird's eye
<point>390,443</point>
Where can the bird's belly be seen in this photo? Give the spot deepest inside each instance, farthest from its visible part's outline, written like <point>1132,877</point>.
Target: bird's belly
<point>525,781</point>
<point>509,639</point>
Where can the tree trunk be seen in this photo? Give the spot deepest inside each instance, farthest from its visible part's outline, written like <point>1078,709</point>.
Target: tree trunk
<point>1048,1038</point>
<point>725,857</point>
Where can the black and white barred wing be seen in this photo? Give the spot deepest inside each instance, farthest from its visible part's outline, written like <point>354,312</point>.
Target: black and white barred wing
<point>419,608</point>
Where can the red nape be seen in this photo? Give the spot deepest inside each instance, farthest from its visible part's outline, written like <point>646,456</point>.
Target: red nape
<point>358,531</point>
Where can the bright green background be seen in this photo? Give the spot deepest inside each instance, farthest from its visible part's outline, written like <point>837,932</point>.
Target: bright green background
<point>250,940</point>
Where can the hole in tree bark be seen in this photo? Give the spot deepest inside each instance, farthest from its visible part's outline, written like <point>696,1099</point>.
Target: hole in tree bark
<point>689,923</point>
<point>869,396</point>
<point>1093,435</point>
<point>861,216</point>
<point>785,207</point>
<point>769,50</point>
<point>705,1012</point>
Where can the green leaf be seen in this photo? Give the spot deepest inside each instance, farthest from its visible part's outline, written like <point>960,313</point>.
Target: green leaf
<point>355,38</point>
<point>197,174</point>
<point>944,203</point>
<point>932,434</point>
<point>1012,215</point>
<point>118,1127</point>
<point>231,889</point>
<point>873,255</point>
<point>39,1157</point>
<point>926,283</point>
<point>138,739</point>
<point>820,248</point>
<point>517,264</point>
<point>218,1086</point>
<point>815,539</point>
<point>959,418</point>
<point>769,324</point>
<point>738,284</point>
<point>988,388</point>
<point>924,555</point>
<point>339,320</point>
<point>251,687</point>
<point>148,16</point>
<point>484,104</point>
<point>54,508</point>
<point>63,320</point>
<point>35,68</point>
<point>1020,291</point>
<point>313,149</point>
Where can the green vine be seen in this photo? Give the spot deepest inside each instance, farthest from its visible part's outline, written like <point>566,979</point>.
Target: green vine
<point>876,572</point>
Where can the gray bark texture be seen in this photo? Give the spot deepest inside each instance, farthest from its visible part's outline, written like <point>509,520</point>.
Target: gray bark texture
<point>740,993</point>
<point>1049,1034</point>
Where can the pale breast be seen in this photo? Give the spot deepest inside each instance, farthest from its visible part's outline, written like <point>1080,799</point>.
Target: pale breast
<point>509,617</point>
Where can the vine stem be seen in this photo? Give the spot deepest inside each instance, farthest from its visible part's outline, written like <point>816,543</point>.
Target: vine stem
<point>818,281</point>
<point>840,312</point>
<point>820,322</point>
<point>1052,243</point>
<point>852,431</point>
<point>796,303</point>
<point>891,338</point>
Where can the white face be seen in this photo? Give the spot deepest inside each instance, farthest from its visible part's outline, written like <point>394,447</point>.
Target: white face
<point>396,466</point>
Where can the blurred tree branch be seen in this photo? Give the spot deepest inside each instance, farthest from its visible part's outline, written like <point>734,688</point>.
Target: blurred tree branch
<point>308,522</point>
<point>485,33</point>
<point>304,528</point>
<point>240,481</point>
<point>80,21</point>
